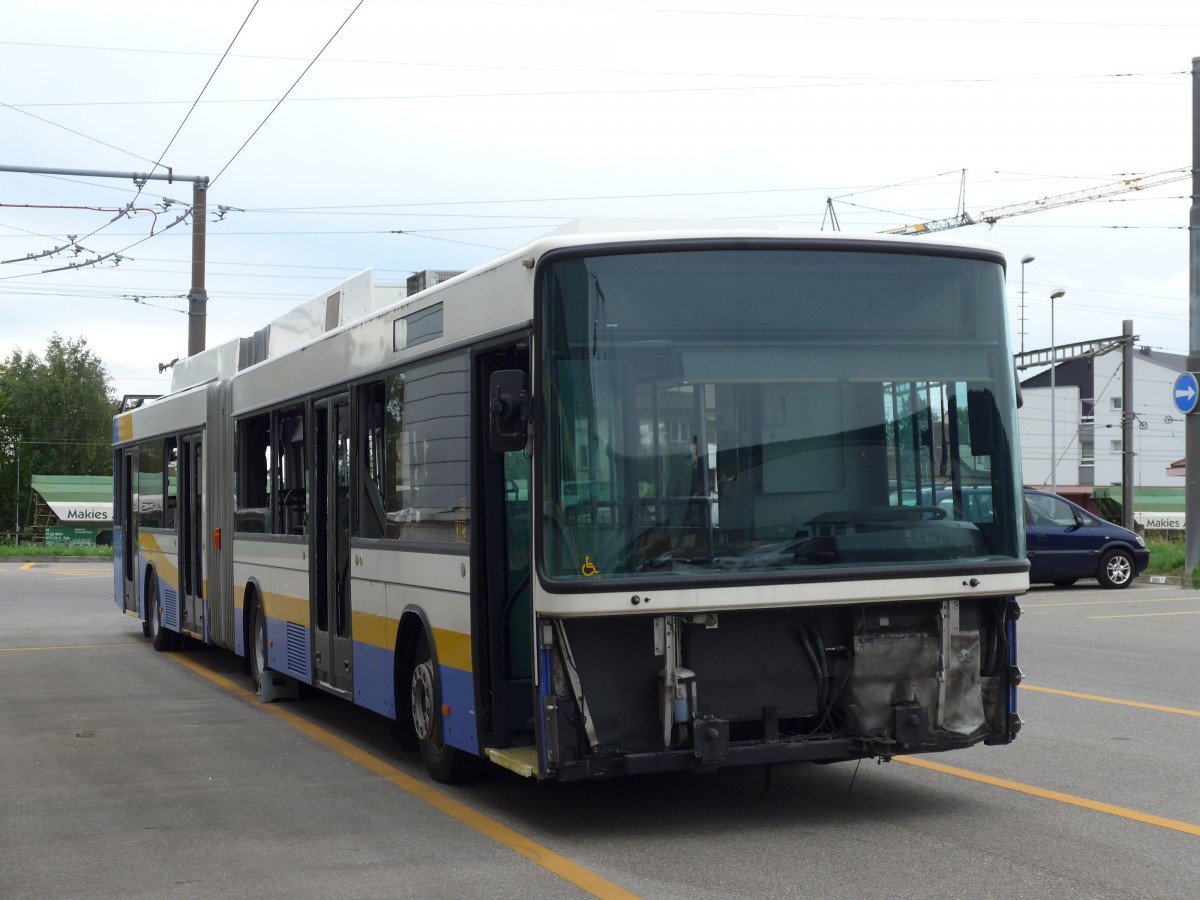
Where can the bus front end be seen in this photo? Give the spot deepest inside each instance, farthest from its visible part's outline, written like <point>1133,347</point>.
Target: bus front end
<point>776,506</point>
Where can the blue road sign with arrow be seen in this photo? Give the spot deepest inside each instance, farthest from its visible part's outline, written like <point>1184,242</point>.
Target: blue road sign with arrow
<point>1186,393</point>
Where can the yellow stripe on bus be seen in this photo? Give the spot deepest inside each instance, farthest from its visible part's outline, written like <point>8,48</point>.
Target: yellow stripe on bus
<point>124,427</point>
<point>453,649</point>
<point>377,631</point>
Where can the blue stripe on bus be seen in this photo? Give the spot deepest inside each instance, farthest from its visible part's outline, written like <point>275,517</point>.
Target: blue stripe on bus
<point>1012,659</point>
<point>374,682</point>
<point>459,729</point>
<point>544,683</point>
<point>374,678</point>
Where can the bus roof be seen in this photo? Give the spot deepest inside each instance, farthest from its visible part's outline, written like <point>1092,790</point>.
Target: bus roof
<point>361,297</point>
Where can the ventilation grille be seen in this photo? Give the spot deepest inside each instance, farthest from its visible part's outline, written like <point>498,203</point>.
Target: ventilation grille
<point>421,281</point>
<point>170,608</point>
<point>297,650</point>
<point>333,310</point>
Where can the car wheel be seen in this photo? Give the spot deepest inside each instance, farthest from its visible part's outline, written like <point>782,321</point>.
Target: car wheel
<point>1116,569</point>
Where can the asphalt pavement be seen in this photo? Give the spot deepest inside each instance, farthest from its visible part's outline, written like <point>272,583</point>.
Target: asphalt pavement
<point>130,773</point>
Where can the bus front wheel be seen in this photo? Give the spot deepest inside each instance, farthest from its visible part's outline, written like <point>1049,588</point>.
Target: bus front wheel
<point>444,764</point>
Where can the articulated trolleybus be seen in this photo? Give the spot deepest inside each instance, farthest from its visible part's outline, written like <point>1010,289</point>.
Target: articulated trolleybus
<point>615,503</point>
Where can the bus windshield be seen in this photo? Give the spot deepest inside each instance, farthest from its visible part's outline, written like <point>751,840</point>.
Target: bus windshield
<point>779,412</point>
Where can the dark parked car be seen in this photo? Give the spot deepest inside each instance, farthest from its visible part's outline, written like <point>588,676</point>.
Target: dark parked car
<point>1065,542</point>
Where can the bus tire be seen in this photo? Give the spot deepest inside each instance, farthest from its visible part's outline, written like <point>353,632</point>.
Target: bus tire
<point>160,638</point>
<point>444,764</point>
<point>256,645</point>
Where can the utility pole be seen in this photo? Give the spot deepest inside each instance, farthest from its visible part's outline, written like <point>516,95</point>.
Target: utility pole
<point>1192,428</point>
<point>1127,417</point>
<point>197,296</point>
<point>18,525</point>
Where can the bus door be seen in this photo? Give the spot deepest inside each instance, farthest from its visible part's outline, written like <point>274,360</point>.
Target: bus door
<point>332,644</point>
<point>504,617</point>
<point>125,530</point>
<point>191,552</point>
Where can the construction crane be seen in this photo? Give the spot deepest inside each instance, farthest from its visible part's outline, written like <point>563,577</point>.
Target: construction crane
<point>991,216</point>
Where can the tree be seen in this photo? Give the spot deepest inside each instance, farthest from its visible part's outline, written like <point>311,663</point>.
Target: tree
<point>55,419</point>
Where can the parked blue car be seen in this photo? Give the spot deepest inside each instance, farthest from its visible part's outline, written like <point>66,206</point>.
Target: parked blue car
<point>1065,542</point>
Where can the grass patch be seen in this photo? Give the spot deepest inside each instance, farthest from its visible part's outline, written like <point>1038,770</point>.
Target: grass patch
<point>1166,557</point>
<point>1169,558</point>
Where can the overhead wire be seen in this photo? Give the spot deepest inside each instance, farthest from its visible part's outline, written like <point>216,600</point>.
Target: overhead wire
<point>126,211</point>
<point>86,137</point>
<point>408,63</point>
<point>286,93</point>
<point>192,108</point>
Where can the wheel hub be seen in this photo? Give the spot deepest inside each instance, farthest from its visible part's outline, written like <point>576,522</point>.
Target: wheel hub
<point>1118,569</point>
<point>422,701</point>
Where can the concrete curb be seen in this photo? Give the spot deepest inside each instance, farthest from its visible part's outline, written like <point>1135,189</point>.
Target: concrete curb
<point>1161,579</point>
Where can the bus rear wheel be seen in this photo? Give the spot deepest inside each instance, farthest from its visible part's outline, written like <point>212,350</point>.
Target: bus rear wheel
<point>160,638</point>
<point>257,651</point>
<point>444,764</point>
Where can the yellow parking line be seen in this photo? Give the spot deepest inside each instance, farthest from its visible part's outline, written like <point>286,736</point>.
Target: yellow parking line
<point>1057,796</point>
<point>570,872</point>
<point>1098,698</point>
<point>1110,602</point>
<point>51,569</point>
<point>71,647</point>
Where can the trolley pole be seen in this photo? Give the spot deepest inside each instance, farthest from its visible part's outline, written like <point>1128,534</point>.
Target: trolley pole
<point>1192,428</point>
<point>197,296</point>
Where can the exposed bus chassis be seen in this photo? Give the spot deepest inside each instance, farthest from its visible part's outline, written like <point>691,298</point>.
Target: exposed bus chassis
<point>699,692</point>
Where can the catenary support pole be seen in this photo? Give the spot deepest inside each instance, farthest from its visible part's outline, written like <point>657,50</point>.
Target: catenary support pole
<point>1192,428</point>
<point>1127,417</point>
<point>197,296</point>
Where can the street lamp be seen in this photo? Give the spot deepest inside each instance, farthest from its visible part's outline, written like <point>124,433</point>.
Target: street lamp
<point>1053,421</point>
<point>1025,260</point>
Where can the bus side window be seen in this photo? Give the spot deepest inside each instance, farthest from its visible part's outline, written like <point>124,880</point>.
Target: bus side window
<point>253,457</point>
<point>371,517</point>
<point>171,486</point>
<point>291,475</point>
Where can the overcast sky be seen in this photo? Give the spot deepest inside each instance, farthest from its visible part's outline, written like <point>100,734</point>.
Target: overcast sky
<point>472,126</point>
